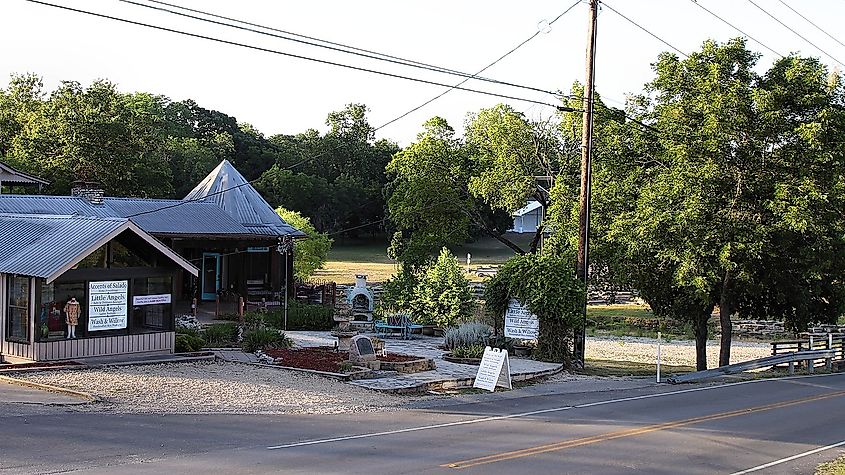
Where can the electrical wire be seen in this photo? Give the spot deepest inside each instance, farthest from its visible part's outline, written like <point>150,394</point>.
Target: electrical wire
<point>282,53</point>
<point>644,29</point>
<point>793,31</point>
<point>485,68</point>
<point>811,22</point>
<point>340,48</point>
<point>764,45</point>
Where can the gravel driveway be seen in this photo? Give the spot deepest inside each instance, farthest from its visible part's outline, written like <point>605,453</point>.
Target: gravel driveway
<point>676,352</point>
<point>206,387</point>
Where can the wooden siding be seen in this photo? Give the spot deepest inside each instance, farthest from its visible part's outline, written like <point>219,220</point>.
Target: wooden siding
<point>89,347</point>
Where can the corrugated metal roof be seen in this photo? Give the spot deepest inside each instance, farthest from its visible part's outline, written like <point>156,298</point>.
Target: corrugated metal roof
<point>226,187</point>
<point>41,245</point>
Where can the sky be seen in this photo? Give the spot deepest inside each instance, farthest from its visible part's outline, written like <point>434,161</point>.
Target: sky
<point>279,94</point>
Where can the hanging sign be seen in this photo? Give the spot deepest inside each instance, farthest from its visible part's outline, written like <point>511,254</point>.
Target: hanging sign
<point>107,305</point>
<point>139,300</point>
<point>520,322</point>
<point>494,370</point>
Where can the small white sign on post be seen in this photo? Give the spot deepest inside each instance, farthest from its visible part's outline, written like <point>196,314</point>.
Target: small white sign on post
<point>494,367</point>
<point>520,322</point>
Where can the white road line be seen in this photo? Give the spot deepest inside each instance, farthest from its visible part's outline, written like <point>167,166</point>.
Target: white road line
<point>531,413</point>
<point>788,459</point>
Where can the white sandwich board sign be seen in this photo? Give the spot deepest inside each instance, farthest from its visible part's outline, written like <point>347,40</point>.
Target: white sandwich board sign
<point>520,322</point>
<point>494,370</point>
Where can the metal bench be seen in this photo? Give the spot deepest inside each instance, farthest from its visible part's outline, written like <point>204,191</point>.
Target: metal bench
<point>397,323</point>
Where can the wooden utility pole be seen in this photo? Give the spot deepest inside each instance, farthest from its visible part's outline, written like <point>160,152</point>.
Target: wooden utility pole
<point>583,264</point>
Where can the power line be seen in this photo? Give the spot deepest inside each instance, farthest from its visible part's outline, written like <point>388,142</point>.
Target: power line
<point>282,53</point>
<point>520,45</point>
<point>339,47</point>
<point>793,31</point>
<point>735,27</point>
<point>811,22</point>
<point>645,30</point>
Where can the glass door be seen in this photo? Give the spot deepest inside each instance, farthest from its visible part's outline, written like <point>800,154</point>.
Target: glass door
<point>210,275</point>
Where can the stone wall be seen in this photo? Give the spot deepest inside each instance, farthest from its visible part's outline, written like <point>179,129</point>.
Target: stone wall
<point>775,329</point>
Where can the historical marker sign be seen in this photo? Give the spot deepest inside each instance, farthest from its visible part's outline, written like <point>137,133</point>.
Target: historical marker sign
<point>520,322</point>
<point>494,370</point>
<point>107,305</point>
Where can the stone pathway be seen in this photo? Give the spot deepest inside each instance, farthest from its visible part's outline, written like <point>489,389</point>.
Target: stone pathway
<point>446,375</point>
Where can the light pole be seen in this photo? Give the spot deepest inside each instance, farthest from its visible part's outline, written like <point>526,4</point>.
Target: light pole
<point>284,247</point>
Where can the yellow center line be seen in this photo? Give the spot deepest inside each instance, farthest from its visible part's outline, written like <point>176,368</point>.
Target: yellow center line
<point>531,451</point>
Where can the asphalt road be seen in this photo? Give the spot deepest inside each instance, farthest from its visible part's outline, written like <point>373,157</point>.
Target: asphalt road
<point>656,430</point>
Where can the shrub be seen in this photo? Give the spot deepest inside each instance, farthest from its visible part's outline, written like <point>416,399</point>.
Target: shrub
<point>187,343</point>
<point>444,295</point>
<point>264,338</point>
<point>399,293</point>
<point>471,351</point>
<point>468,334</point>
<point>221,334</point>
<point>301,316</point>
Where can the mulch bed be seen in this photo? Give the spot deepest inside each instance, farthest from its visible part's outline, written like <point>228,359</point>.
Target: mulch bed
<point>323,358</point>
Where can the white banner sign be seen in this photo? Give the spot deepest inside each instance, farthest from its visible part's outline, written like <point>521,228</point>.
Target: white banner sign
<point>494,366</point>
<point>107,305</point>
<point>150,299</point>
<point>520,322</point>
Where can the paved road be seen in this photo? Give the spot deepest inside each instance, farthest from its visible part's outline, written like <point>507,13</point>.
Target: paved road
<point>656,430</point>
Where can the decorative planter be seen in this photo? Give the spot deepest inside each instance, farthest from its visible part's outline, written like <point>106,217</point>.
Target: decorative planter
<point>413,366</point>
<point>428,330</point>
<point>522,350</point>
<point>470,361</point>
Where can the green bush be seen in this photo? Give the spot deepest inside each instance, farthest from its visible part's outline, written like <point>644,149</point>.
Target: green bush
<point>188,343</point>
<point>221,334</point>
<point>468,334</point>
<point>471,351</point>
<point>301,316</point>
<point>399,293</point>
<point>444,295</point>
<point>264,338</point>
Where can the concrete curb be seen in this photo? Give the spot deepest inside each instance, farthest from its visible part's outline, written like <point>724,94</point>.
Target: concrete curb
<point>460,383</point>
<point>50,388</point>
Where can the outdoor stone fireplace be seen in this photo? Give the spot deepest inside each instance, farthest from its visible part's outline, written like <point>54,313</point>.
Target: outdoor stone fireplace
<point>361,299</point>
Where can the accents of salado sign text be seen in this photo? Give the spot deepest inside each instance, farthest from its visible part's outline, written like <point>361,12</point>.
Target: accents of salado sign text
<point>107,305</point>
<point>520,322</point>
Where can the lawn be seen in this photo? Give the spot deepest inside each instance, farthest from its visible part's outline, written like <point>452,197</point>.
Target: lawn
<point>629,368</point>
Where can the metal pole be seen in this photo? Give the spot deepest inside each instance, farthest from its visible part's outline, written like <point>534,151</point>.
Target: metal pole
<point>658,357</point>
<point>582,268</point>
<point>286,287</point>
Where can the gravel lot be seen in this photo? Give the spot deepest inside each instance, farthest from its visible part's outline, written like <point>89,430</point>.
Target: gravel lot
<point>677,352</point>
<point>204,387</point>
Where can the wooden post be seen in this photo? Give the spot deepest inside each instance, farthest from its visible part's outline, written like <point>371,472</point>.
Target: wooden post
<point>791,368</point>
<point>194,307</point>
<point>241,309</point>
<point>217,307</point>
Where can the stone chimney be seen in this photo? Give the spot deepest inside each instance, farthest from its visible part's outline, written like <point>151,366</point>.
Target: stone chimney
<point>89,191</point>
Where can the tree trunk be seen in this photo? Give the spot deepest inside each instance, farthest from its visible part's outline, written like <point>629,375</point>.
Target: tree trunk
<point>535,243</point>
<point>726,308</point>
<point>700,330</point>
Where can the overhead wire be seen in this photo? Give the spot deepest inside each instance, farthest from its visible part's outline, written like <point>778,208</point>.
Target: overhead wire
<point>283,53</point>
<point>602,2</point>
<point>485,68</point>
<point>338,47</point>
<point>811,22</point>
<point>764,45</point>
<point>793,31</point>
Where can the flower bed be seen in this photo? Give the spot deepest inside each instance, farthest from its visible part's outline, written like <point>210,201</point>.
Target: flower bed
<point>325,358</point>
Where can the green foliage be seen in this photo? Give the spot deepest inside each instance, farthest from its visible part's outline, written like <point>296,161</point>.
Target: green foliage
<point>301,316</point>
<point>444,295</point>
<point>188,343</point>
<point>310,253</point>
<point>263,339</point>
<point>466,334</point>
<point>399,292</point>
<point>221,334</point>
<point>547,286</point>
<point>470,351</point>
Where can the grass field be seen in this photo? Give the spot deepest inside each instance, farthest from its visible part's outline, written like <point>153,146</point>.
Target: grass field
<point>629,368</point>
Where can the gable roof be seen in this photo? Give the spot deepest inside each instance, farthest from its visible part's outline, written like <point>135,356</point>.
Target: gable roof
<point>11,175</point>
<point>47,246</point>
<point>226,187</point>
<point>531,206</point>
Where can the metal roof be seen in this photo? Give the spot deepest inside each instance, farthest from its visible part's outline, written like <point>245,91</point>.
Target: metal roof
<point>48,245</point>
<point>11,175</point>
<point>175,217</point>
<point>226,187</point>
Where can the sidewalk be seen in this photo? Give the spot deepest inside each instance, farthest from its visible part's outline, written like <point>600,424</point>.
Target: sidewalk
<point>447,375</point>
<point>15,394</point>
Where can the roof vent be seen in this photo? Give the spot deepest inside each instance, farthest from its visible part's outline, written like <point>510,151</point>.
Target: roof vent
<point>89,191</point>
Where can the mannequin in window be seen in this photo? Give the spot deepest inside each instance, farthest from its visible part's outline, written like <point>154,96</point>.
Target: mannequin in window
<point>72,316</point>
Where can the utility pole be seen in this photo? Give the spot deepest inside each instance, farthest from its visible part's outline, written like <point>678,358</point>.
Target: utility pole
<point>583,264</point>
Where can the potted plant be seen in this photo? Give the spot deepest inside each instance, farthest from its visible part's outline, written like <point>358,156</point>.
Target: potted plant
<point>45,330</point>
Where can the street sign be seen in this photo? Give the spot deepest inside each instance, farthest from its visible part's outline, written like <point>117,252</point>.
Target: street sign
<point>494,370</point>
<point>520,322</point>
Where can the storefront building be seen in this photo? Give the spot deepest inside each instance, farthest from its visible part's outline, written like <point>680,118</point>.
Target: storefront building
<point>80,286</point>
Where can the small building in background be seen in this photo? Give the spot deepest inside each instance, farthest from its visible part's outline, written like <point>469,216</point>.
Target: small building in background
<point>527,218</point>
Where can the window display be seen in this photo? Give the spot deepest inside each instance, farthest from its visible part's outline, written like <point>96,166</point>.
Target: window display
<point>17,320</point>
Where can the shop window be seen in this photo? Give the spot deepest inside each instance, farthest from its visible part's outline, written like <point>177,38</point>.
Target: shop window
<point>152,309</point>
<point>52,323</point>
<point>122,256</point>
<point>17,314</point>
